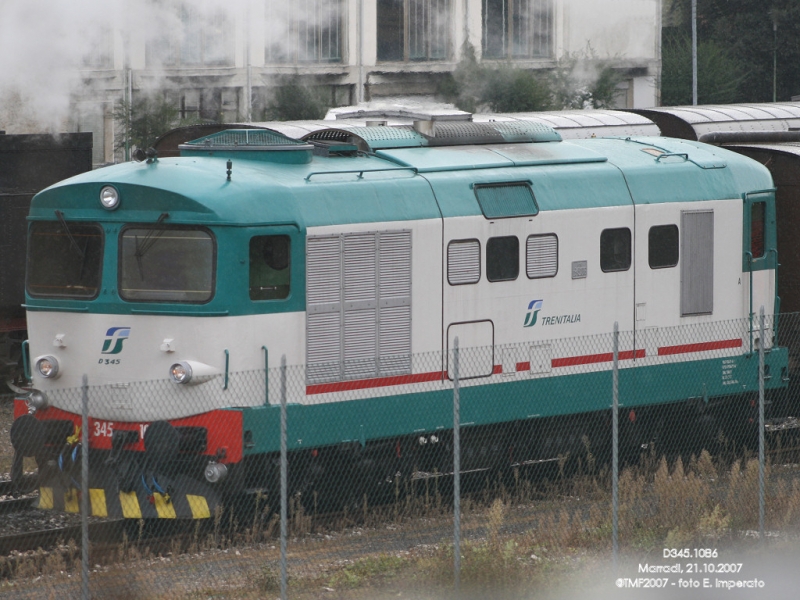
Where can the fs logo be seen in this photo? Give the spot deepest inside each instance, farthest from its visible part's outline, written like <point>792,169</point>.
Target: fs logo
<point>533,310</point>
<point>114,338</point>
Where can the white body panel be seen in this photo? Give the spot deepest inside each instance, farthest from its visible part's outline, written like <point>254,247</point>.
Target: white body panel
<point>144,357</point>
<point>591,304</point>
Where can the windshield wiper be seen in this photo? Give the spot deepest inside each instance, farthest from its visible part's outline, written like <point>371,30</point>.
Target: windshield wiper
<point>147,242</point>
<point>74,244</point>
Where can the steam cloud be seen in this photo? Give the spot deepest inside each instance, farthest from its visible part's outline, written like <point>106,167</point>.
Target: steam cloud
<point>45,45</point>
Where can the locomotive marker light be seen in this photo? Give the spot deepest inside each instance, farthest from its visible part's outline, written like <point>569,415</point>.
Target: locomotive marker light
<point>36,400</point>
<point>47,366</point>
<point>109,198</point>
<point>192,372</point>
<point>215,472</point>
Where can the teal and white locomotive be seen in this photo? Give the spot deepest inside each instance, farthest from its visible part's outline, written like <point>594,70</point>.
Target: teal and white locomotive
<point>360,254</point>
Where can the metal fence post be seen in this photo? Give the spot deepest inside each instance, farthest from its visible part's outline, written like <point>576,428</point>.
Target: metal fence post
<point>284,478</point>
<point>761,426</point>
<point>615,449</point>
<point>85,488</point>
<point>456,469</point>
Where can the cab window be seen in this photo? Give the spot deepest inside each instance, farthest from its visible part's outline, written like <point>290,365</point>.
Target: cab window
<point>270,267</point>
<point>165,264</point>
<point>64,259</point>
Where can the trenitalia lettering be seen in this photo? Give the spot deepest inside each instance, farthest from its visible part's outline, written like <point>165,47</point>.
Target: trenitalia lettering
<point>561,319</point>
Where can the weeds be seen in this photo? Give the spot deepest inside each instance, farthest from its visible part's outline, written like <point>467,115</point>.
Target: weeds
<point>517,530</point>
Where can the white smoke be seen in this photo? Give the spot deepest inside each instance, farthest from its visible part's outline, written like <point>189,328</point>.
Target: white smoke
<point>46,45</point>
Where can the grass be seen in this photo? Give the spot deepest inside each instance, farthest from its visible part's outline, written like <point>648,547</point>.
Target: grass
<point>518,535</point>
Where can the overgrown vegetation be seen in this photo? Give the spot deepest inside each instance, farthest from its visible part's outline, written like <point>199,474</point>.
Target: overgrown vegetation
<point>738,42</point>
<point>578,81</point>
<point>719,75</point>
<point>292,100</point>
<point>519,535</point>
<point>139,124</point>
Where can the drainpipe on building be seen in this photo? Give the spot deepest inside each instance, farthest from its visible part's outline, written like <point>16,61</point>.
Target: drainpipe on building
<point>360,51</point>
<point>248,102</point>
<point>694,52</point>
<point>129,90</point>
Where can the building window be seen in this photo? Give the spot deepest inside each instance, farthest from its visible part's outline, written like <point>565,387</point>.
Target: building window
<point>304,31</point>
<point>101,51</point>
<point>413,29</point>
<point>502,258</point>
<point>662,246</point>
<point>517,28</point>
<point>615,249</point>
<point>205,40</point>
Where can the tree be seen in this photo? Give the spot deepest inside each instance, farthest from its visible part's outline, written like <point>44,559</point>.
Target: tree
<point>139,125</point>
<point>719,76</point>
<point>579,81</point>
<point>583,81</point>
<point>509,89</point>
<point>743,31</point>
<point>294,101</point>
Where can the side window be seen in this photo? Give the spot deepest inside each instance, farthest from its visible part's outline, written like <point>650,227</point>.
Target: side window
<point>463,262</point>
<point>615,249</point>
<point>758,213</point>
<point>541,253</point>
<point>502,258</point>
<point>662,246</point>
<point>270,268</point>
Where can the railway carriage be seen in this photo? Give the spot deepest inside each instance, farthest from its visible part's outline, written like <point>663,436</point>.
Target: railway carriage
<point>360,255</point>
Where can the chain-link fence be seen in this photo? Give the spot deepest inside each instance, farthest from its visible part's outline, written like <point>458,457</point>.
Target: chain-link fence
<point>476,469</point>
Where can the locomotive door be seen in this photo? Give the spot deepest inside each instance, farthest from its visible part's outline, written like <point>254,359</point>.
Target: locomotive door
<point>674,252</point>
<point>657,290</point>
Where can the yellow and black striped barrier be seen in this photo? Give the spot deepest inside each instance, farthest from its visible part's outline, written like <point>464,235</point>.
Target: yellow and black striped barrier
<point>189,499</point>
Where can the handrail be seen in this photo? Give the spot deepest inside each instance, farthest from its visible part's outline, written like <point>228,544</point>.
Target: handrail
<point>227,362</point>
<point>360,172</point>
<point>777,308</point>
<point>266,375</point>
<point>683,155</point>
<point>26,362</point>
<point>750,268</point>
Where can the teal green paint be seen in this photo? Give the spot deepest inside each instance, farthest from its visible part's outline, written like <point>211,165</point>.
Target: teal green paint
<point>675,180</point>
<point>330,423</point>
<point>232,297</point>
<point>770,258</point>
<point>196,190</point>
<point>561,187</point>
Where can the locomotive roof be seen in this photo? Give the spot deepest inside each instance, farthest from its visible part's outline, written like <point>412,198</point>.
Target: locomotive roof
<point>395,183</point>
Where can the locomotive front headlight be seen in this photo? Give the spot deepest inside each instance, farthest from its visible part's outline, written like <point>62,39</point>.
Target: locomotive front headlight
<point>181,372</point>
<point>109,197</point>
<point>47,366</point>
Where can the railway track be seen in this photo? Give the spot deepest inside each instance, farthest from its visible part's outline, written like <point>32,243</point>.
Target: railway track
<point>18,498</point>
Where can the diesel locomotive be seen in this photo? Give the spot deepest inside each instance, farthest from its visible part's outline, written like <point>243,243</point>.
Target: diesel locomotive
<point>175,285</point>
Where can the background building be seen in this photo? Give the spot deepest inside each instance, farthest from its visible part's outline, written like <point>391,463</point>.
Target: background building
<point>219,60</point>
